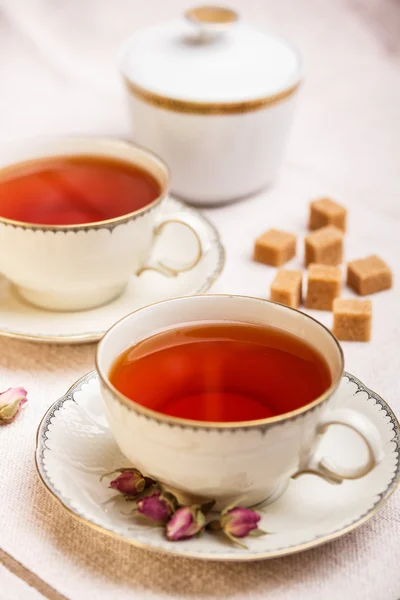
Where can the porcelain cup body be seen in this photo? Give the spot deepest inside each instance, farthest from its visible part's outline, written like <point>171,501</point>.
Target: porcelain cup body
<point>224,461</point>
<point>76,267</point>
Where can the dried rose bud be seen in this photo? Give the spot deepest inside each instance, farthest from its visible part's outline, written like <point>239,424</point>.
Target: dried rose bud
<point>239,522</point>
<point>186,522</point>
<point>130,482</point>
<point>157,507</point>
<point>11,402</point>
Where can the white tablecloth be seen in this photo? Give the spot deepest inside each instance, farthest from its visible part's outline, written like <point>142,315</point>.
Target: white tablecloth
<point>57,75</point>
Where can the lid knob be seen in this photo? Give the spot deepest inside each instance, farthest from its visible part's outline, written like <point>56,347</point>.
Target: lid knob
<point>211,20</point>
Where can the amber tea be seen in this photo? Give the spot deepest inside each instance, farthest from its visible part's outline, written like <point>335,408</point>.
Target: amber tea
<point>222,372</point>
<point>71,190</point>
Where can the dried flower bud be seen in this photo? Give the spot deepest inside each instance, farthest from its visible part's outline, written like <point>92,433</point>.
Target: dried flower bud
<point>11,402</point>
<point>130,482</point>
<point>186,522</point>
<point>239,522</point>
<point>157,507</point>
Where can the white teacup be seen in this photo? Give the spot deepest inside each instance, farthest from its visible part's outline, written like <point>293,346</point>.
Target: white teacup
<point>76,267</point>
<point>250,460</point>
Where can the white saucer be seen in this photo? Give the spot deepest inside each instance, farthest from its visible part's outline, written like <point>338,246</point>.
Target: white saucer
<point>75,447</point>
<point>21,320</point>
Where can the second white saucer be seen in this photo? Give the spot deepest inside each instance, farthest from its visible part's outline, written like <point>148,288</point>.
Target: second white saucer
<point>21,320</point>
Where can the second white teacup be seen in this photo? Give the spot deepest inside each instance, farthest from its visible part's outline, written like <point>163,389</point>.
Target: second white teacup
<point>77,267</point>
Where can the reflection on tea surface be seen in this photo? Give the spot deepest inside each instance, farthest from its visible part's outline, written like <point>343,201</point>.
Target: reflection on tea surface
<point>70,190</point>
<point>221,372</point>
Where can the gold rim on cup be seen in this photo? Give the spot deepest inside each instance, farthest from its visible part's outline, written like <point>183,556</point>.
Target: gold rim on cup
<point>165,188</point>
<point>170,420</point>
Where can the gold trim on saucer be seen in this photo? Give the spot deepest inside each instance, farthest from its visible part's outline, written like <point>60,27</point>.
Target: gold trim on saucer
<point>85,338</point>
<point>211,557</point>
<point>248,557</point>
<point>208,108</point>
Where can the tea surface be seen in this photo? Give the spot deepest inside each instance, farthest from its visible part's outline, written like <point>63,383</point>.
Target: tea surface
<point>71,190</point>
<point>221,372</point>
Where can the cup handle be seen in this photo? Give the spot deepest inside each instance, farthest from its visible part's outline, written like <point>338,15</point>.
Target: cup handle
<point>168,270</point>
<point>332,473</point>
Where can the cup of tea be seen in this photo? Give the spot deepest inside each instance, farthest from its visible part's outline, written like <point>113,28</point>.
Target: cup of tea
<point>227,397</point>
<point>79,216</point>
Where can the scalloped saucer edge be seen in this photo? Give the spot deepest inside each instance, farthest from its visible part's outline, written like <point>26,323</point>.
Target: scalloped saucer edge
<point>75,446</point>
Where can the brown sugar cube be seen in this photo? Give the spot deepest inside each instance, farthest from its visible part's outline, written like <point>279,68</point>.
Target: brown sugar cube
<point>325,211</point>
<point>369,275</point>
<point>324,283</point>
<point>352,319</point>
<point>275,247</point>
<point>286,287</point>
<point>324,246</point>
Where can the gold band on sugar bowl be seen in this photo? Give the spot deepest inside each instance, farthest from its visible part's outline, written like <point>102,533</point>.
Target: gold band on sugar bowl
<point>209,108</point>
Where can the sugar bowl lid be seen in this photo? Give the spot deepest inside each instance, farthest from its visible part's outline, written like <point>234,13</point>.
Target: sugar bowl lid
<point>209,58</point>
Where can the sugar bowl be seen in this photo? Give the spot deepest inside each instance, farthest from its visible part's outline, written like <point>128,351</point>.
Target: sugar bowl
<point>214,97</point>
